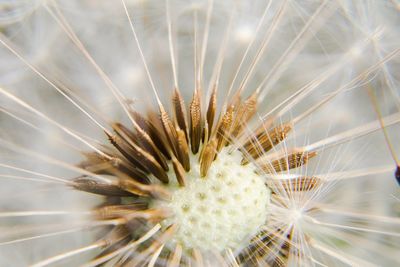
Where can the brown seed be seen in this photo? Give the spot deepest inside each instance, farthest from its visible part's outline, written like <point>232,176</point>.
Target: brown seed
<point>195,122</point>
<point>212,108</point>
<point>179,171</point>
<point>156,133</point>
<point>150,215</point>
<point>175,257</point>
<point>207,157</point>
<point>116,211</point>
<point>263,141</point>
<point>183,150</point>
<point>132,186</point>
<point>115,235</point>
<point>245,112</point>
<point>139,189</point>
<point>96,187</point>
<point>206,135</point>
<point>143,140</point>
<point>291,161</point>
<point>127,151</point>
<point>133,172</point>
<point>145,158</point>
<point>141,121</point>
<point>99,165</point>
<point>180,112</point>
<point>169,130</point>
<point>224,127</point>
<point>295,185</point>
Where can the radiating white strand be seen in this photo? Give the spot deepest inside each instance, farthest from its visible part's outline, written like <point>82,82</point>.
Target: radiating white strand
<point>274,24</point>
<point>216,73</point>
<point>141,53</point>
<point>34,69</point>
<point>358,215</point>
<point>256,32</point>
<point>125,248</point>
<point>354,228</point>
<point>304,91</point>
<point>353,134</point>
<point>68,231</point>
<point>19,149</point>
<point>69,254</point>
<point>205,39</point>
<point>38,129</point>
<point>40,114</point>
<point>155,256</point>
<point>71,34</point>
<point>41,213</point>
<point>347,259</point>
<point>49,177</point>
<point>171,46</point>
<point>289,54</point>
<point>29,179</point>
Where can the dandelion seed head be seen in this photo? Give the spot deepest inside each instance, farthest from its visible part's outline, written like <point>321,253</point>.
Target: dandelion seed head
<point>269,154</point>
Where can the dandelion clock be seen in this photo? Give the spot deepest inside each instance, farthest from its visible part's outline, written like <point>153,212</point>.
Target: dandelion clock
<point>199,133</point>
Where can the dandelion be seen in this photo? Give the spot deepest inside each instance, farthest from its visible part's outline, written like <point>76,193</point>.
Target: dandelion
<point>206,133</point>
